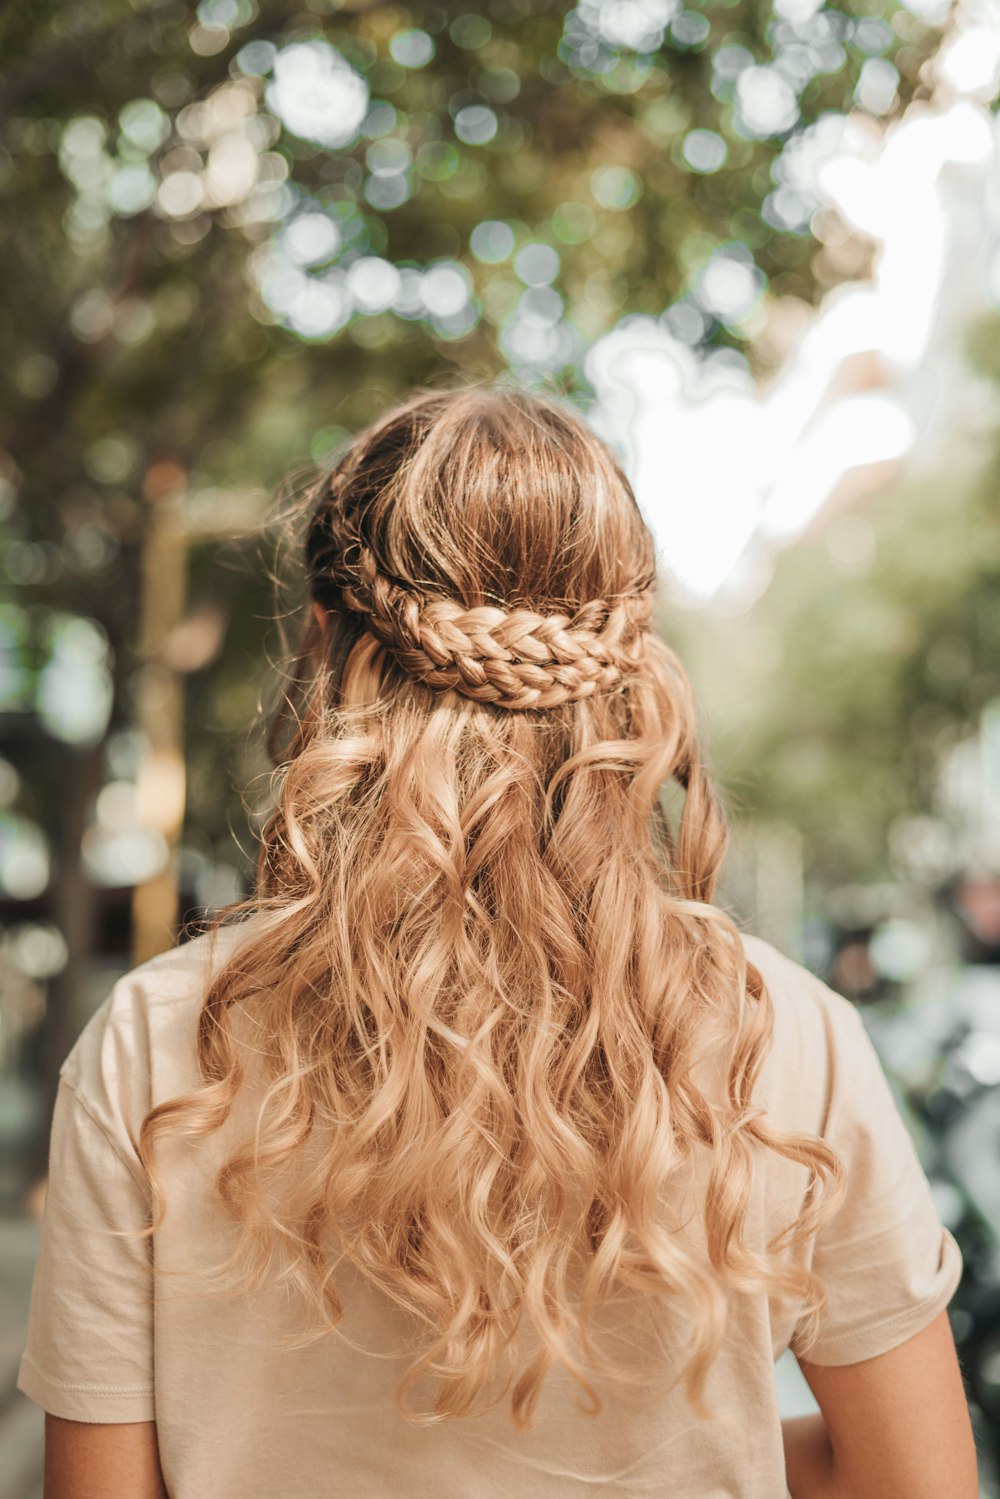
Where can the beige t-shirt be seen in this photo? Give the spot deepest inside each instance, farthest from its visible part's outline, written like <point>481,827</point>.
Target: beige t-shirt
<point>239,1418</point>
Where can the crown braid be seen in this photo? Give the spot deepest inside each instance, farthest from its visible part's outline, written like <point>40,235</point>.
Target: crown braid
<point>515,659</point>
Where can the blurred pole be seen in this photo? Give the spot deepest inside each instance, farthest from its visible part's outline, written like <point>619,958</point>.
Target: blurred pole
<point>780,886</point>
<point>176,520</point>
<point>160,707</point>
<point>73,911</point>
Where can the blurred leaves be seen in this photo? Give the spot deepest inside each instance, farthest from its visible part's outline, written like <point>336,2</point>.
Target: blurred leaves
<point>835,700</point>
<point>233,232</point>
<point>215,181</point>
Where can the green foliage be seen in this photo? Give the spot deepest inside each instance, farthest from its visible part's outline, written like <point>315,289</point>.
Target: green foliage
<point>874,650</point>
<point>154,162</point>
<point>233,233</point>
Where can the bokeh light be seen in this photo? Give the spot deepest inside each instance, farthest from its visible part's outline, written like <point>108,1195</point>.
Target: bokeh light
<point>316,94</point>
<point>412,48</point>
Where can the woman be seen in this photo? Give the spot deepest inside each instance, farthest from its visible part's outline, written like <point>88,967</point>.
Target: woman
<point>478,1152</point>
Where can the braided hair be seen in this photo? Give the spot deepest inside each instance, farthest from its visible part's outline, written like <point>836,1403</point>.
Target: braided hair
<point>522,657</point>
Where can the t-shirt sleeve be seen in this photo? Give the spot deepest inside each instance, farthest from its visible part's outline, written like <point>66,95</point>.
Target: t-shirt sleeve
<point>89,1349</point>
<point>888,1263</point>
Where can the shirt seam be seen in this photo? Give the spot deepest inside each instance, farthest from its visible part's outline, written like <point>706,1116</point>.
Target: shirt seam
<point>85,1389</point>
<point>108,1136</point>
<point>825,1344</point>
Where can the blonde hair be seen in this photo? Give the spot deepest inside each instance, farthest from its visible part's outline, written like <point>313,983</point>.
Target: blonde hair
<point>485,970</point>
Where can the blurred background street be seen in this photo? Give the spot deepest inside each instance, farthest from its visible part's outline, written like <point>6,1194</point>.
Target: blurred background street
<point>758,241</point>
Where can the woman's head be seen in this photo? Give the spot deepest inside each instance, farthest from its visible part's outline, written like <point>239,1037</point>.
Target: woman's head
<point>491,542</point>
<point>486,981</point>
<point>482,584</point>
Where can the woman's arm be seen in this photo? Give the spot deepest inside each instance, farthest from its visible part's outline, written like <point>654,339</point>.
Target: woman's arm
<point>90,1460</point>
<point>809,1458</point>
<point>892,1427</point>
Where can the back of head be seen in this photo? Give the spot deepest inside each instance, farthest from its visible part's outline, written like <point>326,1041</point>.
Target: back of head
<point>490,502</point>
<point>485,968</point>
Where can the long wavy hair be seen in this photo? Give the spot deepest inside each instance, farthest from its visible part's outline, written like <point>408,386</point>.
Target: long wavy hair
<point>485,972</point>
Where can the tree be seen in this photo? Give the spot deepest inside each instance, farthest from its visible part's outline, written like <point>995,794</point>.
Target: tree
<point>231,236</point>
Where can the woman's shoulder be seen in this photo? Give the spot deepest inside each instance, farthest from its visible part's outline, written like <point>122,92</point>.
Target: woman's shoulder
<point>799,996</point>
<point>139,1045</point>
<point>816,1033</point>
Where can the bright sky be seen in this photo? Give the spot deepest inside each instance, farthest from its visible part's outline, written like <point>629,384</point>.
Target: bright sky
<point>716,462</point>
